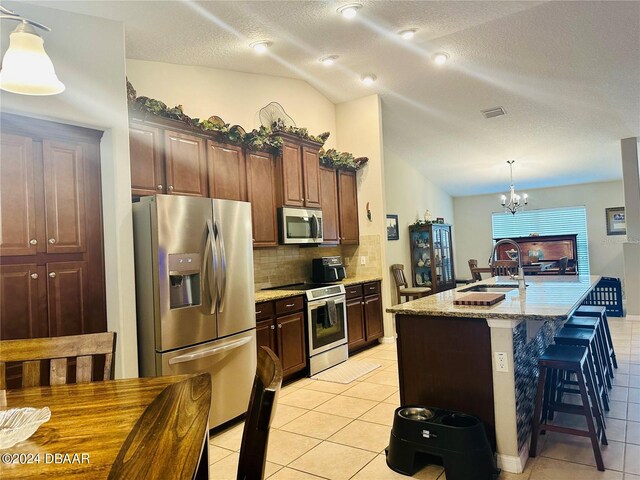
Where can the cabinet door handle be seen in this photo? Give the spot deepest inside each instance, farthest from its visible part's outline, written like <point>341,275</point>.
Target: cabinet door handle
<point>34,276</point>
<point>289,305</point>
<point>258,312</point>
<point>159,187</point>
<point>171,188</point>
<point>279,325</point>
<point>33,241</point>
<point>52,241</point>
<point>273,327</point>
<point>361,303</point>
<point>52,274</point>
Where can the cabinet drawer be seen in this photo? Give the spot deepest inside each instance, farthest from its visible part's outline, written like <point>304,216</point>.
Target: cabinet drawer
<point>264,310</point>
<point>288,305</point>
<point>371,288</point>
<point>353,291</point>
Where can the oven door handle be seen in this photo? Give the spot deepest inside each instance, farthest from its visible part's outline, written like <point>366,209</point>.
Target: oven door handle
<point>321,303</point>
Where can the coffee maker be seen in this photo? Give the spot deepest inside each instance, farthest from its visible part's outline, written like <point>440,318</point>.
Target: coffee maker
<point>327,269</point>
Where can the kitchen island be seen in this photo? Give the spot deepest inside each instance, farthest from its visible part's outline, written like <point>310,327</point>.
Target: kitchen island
<point>482,360</point>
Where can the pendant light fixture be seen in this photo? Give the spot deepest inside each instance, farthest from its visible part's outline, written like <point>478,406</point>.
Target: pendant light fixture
<point>516,202</point>
<point>26,67</point>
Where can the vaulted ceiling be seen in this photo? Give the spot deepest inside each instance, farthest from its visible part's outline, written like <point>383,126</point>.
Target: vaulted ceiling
<point>566,73</point>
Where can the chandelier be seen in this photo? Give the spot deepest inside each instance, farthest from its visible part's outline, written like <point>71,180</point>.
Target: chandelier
<point>516,202</point>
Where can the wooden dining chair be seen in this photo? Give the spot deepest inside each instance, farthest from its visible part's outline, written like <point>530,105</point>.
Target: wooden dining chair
<point>402,288</point>
<point>58,351</point>
<point>262,406</point>
<point>504,268</point>
<point>475,275</point>
<point>171,437</point>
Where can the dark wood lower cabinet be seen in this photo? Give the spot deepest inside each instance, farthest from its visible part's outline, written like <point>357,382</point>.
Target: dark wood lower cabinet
<point>373,317</point>
<point>23,295</point>
<point>364,315</point>
<point>67,293</point>
<point>284,334</point>
<point>291,344</point>
<point>355,323</point>
<point>266,334</point>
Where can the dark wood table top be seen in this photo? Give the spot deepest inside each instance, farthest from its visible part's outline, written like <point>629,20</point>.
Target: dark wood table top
<point>91,421</point>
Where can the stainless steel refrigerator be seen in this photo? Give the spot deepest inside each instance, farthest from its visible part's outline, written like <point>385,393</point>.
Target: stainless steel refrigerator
<point>195,295</point>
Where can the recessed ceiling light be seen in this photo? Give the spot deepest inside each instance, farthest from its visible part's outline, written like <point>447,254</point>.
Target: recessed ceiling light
<point>260,46</point>
<point>440,58</point>
<point>328,60</point>
<point>408,34</point>
<point>349,10</point>
<point>368,78</point>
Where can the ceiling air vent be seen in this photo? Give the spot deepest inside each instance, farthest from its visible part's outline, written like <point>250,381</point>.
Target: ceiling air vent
<point>493,112</point>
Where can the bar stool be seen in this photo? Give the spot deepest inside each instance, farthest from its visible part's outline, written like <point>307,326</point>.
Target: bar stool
<point>587,338</point>
<point>595,324</point>
<point>573,360</point>
<point>600,311</point>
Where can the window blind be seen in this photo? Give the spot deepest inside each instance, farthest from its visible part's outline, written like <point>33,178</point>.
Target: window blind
<point>548,221</point>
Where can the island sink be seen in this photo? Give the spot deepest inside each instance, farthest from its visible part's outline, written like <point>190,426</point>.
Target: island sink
<point>499,288</point>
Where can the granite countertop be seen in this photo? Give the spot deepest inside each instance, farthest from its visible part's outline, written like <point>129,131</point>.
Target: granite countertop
<point>545,298</point>
<point>268,295</point>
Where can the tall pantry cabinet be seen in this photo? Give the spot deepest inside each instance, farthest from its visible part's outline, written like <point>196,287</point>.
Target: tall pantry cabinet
<point>51,252</point>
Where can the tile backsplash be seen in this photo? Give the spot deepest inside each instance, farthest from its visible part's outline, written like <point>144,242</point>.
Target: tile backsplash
<point>288,264</point>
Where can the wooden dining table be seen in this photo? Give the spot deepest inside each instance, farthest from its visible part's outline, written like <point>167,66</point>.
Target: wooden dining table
<point>91,422</point>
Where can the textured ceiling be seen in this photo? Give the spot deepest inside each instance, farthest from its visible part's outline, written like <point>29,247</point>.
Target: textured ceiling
<point>567,73</point>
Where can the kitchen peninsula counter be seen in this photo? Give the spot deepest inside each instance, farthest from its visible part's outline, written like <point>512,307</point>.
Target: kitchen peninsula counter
<point>268,295</point>
<point>447,354</point>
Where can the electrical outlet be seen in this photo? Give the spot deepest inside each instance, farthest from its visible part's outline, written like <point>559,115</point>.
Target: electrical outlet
<point>363,260</point>
<point>501,362</point>
<point>347,261</point>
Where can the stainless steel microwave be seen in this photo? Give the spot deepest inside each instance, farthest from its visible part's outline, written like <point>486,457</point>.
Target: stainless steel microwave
<point>299,225</point>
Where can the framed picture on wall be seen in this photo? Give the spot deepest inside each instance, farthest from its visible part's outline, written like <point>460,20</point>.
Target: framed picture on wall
<point>616,224</point>
<point>392,227</point>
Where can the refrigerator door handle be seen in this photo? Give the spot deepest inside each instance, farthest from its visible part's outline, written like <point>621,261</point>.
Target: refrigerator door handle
<point>188,357</point>
<point>222,281</point>
<point>210,249</point>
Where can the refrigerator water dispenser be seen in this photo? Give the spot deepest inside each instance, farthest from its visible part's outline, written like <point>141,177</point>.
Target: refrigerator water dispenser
<point>184,280</point>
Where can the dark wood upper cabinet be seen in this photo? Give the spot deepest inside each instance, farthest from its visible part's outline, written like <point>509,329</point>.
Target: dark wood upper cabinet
<point>290,164</point>
<point>262,195</point>
<point>64,196</point>
<point>227,171</point>
<point>147,162</point>
<point>298,173</point>
<point>17,195</point>
<point>186,164</point>
<point>311,171</point>
<point>329,189</point>
<point>348,208</point>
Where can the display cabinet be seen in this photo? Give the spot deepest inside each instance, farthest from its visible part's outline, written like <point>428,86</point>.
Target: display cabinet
<point>432,257</point>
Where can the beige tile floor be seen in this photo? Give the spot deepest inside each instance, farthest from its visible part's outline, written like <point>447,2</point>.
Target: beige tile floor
<point>332,431</point>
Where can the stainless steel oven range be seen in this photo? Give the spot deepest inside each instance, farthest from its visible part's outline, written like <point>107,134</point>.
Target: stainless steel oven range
<point>326,327</point>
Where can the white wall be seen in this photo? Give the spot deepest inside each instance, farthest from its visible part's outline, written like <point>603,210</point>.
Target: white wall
<point>236,97</point>
<point>409,194</point>
<point>473,223</point>
<point>359,124</point>
<point>88,54</point>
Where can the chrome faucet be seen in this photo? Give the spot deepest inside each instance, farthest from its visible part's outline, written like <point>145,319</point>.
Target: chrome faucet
<point>520,276</point>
